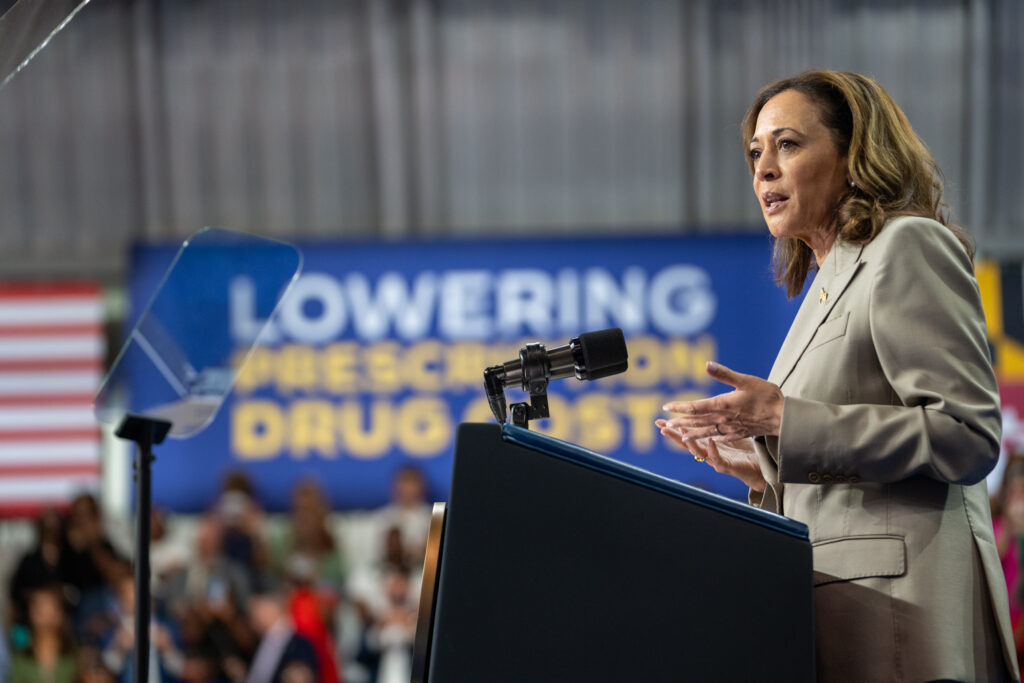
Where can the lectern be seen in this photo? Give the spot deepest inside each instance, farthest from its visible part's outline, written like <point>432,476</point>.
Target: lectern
<point>553,563</point>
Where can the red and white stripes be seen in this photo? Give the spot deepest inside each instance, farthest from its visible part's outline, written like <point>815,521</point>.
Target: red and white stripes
<point>51,363</point>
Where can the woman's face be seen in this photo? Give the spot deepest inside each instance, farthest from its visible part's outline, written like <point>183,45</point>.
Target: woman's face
<point>799,174</point>
<point>45,610</point>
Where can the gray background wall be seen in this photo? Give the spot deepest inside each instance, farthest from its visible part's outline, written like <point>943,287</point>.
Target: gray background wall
<point>391,118</point>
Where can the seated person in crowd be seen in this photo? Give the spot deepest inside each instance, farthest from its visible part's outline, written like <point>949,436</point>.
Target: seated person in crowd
<point>90,667</point>
<point>207,599</point>
<point>408,511</point>
<point>283,653</point>
<point>308,534</point>
<point>45,564</point>
<point>166,661</point>
<point>93,567</point>
<point>242,527</point>
<point>50,655</point>
<point>392,629</point>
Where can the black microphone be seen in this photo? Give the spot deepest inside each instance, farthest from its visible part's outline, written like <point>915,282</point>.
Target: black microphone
<point>592,355</point>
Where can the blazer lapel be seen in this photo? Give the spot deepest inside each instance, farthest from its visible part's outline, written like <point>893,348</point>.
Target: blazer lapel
<point>841,264</point>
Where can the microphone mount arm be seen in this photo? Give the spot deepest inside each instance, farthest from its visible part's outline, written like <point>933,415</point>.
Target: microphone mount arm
<point>592,355</point>
<point>533,373</point>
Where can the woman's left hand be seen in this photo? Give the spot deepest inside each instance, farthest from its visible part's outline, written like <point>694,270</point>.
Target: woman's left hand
<point>737,459</point>
<point>753,408</point>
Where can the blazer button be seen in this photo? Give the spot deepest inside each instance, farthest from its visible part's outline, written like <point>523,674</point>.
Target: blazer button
<point>814,477</point>
<point>853,480</point>
<point>840,479</point>
<point>827,479</point>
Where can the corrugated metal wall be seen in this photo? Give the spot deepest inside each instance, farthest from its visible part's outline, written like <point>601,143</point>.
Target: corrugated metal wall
<point>415,117</point>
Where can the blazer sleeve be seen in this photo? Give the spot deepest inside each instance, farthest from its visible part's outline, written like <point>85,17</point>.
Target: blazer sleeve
<point>771,497</point>
<point>928,330</point>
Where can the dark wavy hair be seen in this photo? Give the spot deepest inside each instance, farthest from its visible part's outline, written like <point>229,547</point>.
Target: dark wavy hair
<point>892,171</point>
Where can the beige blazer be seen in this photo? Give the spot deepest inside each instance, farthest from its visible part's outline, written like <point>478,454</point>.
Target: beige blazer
<point>890,424</point>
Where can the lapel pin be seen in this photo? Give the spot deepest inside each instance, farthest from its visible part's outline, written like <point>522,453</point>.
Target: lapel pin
<point>824,296</point>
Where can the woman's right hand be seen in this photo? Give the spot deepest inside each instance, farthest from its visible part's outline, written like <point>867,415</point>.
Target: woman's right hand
<point>735,458</point>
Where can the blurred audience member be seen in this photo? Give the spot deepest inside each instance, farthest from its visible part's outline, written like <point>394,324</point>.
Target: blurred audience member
<point>93,566</point>
<point>368,584</point>
<point>207,599</point>
<point>283,653</point>
<point>307,555</point>
<point>90,667</point>
<point>241,518</point>
<point>312,616</point>
<point>308,534</point>
<point>166,661</point>
<point>46,564</point>
<point>210,577</point>
<point>393,627</point>
<point>409,512</point>
<point>50,653</point>
<point>386,594</point>
<point>1008,519</point>
<point>5,654</point>
<point>168,553</point>
<point>201,667</point>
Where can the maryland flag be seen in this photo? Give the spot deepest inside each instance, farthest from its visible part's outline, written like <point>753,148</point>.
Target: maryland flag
<point>1002,294</point>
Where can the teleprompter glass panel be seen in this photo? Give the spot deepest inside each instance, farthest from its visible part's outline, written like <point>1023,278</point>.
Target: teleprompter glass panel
<point>27,27</point>
<point>184,350</point>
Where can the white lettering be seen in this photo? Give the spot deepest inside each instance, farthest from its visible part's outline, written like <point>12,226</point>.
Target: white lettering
<point>606,304</point>
<point>243,322</point>
<point>682,301</point>
<point>677,300</point>
<point>410,313</point>
<point>463,311</point>
<point>568,301</point>
<point>301,324</point>
<point>525,299</point>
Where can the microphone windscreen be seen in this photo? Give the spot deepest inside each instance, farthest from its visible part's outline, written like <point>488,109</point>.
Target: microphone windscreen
<point>607,371</point>
<point>604,352</point>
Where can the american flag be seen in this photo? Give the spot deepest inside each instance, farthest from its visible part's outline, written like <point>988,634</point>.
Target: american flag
<point>51,360</point>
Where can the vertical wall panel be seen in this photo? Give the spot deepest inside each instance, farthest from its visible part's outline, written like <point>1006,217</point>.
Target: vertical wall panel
<point>152,118</point>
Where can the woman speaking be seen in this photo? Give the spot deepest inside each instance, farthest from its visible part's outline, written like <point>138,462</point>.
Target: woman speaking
<point>880,418</point>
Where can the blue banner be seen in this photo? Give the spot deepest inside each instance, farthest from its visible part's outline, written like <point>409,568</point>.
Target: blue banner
<point>378,352</point>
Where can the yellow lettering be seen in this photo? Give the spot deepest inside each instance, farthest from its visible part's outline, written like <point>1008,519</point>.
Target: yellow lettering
<point>641,410</point>
<point>465,364</point>
<point>686,360</point>
<point>312,429</point>
<point>380,361</point>
<point>599,426</point>
<point>296,368</point>
<point>645,368</point>
<point>424,426</point>
<point>256,370</point>
<point>257,430</point>
<point>340,367</point>
<point>365,441</point>
<point>421,366</point>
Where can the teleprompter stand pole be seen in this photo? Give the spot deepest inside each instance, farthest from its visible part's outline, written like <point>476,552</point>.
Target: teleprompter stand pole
<point>146,432</point>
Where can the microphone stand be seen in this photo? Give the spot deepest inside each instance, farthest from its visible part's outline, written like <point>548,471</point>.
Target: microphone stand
<point>522,412</point>
<point>536,370</point>
<point>146,432</point>
<point>592,355</point>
